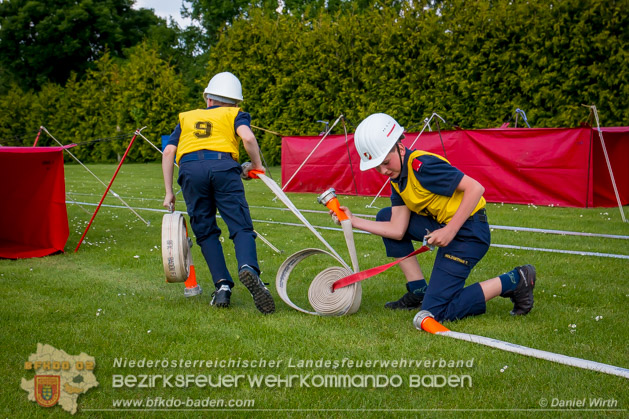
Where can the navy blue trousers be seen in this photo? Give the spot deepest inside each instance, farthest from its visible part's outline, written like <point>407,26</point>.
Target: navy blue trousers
<point>447,298</point>
<point>208,186</point>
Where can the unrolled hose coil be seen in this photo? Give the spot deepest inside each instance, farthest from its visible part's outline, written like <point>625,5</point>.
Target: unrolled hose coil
<point>175,247</point>
<point>323,300</point>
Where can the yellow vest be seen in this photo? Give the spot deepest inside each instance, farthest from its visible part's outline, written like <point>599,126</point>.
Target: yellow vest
<point>423,202</point>
<point>208,129</point>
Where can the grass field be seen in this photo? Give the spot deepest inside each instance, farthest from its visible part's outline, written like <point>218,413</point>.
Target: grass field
<point>110,301</point>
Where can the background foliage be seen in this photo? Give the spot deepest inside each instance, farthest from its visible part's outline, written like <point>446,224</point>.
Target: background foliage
<point>472,63</point>
<point>47,40</point>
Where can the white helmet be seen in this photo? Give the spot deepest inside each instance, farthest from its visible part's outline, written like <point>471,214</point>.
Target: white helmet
<point>224,87</point>
<point>374,138</point>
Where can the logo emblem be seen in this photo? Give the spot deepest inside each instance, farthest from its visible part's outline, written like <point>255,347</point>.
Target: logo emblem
<point>59,378</point>
<point>47,390</point>
<point>367,155</point>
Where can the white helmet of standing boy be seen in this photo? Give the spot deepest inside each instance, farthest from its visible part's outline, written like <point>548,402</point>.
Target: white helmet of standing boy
<point>224,87</point>
<point>374,138</point>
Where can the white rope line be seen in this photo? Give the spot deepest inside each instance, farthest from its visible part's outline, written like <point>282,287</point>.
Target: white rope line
<point>262,238</point>
<point>97,178</point>
<point>609,165</point>
<point>497,227</point>
<point>268,243</point>
<point>160,152</point>
<point>313,150</point>
<point>571,252</point>
<point>426,124</point>
<point>349,155</point>
<point>73,201</point>
<point>266,130</point>
<point>494,226</point>
<point>506,246</point>
<point>154,146</point>
<point>559,232</point>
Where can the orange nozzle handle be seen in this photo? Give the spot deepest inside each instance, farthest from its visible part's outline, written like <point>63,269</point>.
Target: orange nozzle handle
<point>431,325</point>
<point>253,174</point>
<point>334,205</point>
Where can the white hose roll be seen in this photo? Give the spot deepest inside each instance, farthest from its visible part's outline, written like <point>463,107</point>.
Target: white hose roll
<point>323,300</point>
<point>175,247</point>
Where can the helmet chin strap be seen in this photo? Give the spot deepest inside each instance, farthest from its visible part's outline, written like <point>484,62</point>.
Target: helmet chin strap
<point>397,146</point>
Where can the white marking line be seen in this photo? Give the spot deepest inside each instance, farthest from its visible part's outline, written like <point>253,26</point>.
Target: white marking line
<point>506,246</point>
<point>570,252</point>
<point>497,227</point>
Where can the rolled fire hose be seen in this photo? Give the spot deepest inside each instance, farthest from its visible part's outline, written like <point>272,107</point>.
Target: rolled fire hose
<point>176,245</point>
<point>323,299</point>
<point>176,254</point>
<point>424,320</point>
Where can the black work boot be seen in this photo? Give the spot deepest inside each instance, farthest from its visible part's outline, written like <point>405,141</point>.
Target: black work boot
<point>522,296</point>
<point>261,295</point>
<point>409,301</point>
<point>222,296</point>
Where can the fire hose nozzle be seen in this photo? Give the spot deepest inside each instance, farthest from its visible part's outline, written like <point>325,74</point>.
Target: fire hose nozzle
<point>424,320</point>
<point>419,318</point>
<point>246,167</point>
<point>247,173</point>
<point>328,198</point>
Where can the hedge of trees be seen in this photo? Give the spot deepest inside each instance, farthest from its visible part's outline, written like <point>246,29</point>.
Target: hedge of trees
<point>111,100</point>
<point>473,63</point>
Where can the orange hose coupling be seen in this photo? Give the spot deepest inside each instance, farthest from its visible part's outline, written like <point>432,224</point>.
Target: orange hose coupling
<point>425,321</point>
<point>328,198</point>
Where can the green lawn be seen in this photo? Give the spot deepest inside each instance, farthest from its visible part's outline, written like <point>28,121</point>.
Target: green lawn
<point>118,275</point>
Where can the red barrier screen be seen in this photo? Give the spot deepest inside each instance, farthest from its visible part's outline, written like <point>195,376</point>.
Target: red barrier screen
<point>33,216</point>
<point>541,166</point>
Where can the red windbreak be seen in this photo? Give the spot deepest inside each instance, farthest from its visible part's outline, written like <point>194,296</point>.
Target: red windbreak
<point>33,217</point>
<point>541,166</point>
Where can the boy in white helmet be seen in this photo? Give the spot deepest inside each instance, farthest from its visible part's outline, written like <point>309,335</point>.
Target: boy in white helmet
<point>205,144</point>
<point>432,200</point>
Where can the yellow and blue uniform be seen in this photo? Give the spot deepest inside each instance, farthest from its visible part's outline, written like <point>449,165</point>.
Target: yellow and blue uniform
<point>427,186</point>
<point>209,176</point>
<point>214,127</point>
